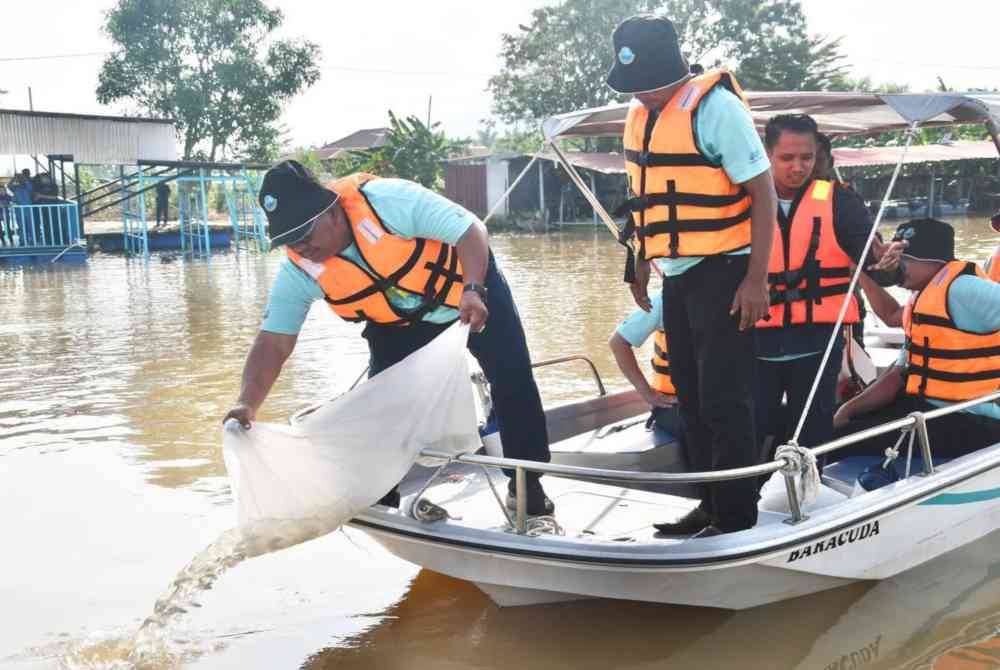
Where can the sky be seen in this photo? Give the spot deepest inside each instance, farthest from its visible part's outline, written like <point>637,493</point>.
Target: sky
<point>398,54</point>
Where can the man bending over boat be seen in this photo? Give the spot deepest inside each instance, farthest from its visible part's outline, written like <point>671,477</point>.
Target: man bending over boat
<point>952,327</point>
<point>703,205</point>
<point>408,263</point>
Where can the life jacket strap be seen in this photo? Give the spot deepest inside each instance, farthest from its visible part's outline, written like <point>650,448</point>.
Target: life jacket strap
<point>648,158</point>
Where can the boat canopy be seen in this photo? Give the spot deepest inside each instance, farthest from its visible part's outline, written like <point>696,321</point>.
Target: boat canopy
<point>836,113</point>
<point>614,163</point>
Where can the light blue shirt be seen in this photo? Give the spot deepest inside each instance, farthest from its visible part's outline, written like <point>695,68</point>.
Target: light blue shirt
<point>407,210</point>
<point>726,136</point>
<point>640,324</point>
<point>974,305</point>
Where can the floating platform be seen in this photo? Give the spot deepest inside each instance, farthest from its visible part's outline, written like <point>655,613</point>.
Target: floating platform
<point>15,254</point>
<point>107,236</point>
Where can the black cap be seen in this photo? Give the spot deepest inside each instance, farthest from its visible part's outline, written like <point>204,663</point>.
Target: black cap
<point>292,199</point>
<point>647,55</point>
<point>927,239</point>
<point>995,221</point>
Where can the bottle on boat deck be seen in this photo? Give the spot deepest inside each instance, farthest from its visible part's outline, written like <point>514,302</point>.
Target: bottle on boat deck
<point>489,432</point>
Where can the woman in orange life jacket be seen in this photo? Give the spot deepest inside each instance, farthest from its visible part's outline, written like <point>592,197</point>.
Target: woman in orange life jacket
<point>821,230</point>
<point>408,263</point>
<point>952,352</point>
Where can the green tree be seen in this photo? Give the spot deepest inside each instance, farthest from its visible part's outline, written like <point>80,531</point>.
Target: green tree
<point>412,150</point>
<point>310,159</point>
<point>211,66</point>
<point>559,60</point>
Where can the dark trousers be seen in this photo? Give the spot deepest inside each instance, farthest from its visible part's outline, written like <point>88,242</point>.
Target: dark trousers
<point>951,436</point>
<point>712,366</point>
<point>161,211</point>
<point>502,352</point>
<point>775,379</point>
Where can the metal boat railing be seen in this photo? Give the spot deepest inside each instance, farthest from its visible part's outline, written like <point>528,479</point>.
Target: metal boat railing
<point>567,359</point>
<point>917,421</point>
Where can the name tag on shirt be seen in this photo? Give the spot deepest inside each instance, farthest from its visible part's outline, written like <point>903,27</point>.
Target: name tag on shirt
<point>370,230</point>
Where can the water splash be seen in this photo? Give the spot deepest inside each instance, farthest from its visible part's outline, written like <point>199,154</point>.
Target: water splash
<point>156,644</point>
<point>150,642</point>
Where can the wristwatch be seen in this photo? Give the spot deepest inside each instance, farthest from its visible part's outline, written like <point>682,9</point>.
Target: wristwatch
<point>478,289</point>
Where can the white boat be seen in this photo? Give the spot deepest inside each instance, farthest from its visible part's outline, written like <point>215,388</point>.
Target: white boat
<point>609,484</point>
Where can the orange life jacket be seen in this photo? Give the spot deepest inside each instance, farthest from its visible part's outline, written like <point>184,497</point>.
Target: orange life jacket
<point>661,365</point>
<point>994,271</point>
<point>421,267</point>
<point>808,272</point>
<point>682,204</point>
<point>945,362</point>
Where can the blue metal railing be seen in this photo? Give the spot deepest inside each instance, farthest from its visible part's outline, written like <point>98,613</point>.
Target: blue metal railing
<point>39,226</point>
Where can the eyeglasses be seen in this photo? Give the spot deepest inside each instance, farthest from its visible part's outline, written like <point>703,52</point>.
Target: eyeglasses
<point>303,243</point>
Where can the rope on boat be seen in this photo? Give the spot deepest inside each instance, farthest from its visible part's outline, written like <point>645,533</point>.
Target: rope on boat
<point>543,525</point>
<point>800,461</point>
<point>427,512</point>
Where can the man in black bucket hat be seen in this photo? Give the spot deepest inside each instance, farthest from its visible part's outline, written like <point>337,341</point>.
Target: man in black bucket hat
<point>703,206</point>
<point>952,327</point>
<point>407,262</point>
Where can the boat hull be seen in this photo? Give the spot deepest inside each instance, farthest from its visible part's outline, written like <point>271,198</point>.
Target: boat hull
<point>871,537</point>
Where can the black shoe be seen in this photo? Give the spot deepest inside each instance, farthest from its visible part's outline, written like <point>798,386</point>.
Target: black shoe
<point>707,531</point>
<point>689,524</point>
<point>390,499</point>
<point>538,504</point>
<point>535,507</point>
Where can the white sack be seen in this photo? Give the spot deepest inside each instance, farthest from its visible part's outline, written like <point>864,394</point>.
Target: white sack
<point>774,496</point>
<point>293,483</point>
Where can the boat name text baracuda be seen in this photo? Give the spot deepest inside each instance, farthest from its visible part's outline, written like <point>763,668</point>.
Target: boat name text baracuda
<point>864,532</point>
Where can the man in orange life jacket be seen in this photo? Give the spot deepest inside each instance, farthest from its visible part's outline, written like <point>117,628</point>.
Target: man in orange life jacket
<point>822,228</point>
<point>407,263</point>
<point>703,206</point>
<point>952,352</point>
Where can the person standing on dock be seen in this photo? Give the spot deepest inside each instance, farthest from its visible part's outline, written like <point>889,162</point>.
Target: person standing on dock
<point>407,263</point>
<point>162,203</point>
<point>703,206</point>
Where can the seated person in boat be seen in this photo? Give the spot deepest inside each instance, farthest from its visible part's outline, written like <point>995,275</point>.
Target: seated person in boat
<point>660,393</point>
<point>407,263</point>
<point>952,327</point>
<point>821,231</point>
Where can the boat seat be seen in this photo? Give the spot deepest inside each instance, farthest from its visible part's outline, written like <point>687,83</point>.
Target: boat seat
<point>842,475</point>
<point>631,447</point>
<point>624,437</point>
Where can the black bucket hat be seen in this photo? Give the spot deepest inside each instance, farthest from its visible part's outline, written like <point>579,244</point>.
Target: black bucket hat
<point>292,199</point>
<point>647,55</point>
<point>927,239</point>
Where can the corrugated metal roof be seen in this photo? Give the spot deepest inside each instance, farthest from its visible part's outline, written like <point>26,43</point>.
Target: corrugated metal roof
<point>924,153</point>
<point>359,140</point>
<point>89,139</point>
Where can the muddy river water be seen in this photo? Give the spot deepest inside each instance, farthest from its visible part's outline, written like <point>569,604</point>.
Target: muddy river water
<point>114,375</point>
